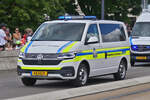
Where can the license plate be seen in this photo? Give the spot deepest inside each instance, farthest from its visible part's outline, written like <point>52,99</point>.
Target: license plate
<point>39,73</point>
<point>141,58</point>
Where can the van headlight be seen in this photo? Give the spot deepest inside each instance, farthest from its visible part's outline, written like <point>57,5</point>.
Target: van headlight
<point>22,55</point>
<point>66,56</point>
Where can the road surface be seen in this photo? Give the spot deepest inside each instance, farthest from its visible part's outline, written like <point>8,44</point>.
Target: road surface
<point>139,92</point>
<point>11,86</point>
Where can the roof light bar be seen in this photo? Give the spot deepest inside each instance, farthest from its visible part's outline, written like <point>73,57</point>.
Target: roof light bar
<point>76,17</point>
<point>89,17</point>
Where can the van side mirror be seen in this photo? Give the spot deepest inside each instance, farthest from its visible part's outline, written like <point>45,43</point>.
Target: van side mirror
<point>91,40</point>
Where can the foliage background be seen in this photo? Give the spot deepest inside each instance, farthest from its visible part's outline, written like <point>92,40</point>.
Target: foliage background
<point>30,13</point>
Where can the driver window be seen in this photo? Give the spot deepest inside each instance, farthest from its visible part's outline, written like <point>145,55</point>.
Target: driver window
<point>92,32</point>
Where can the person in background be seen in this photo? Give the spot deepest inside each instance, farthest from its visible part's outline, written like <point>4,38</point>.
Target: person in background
<point>8,45</point>
<point>17,38</point>
<point>129,31</point>
<point>3,37</point>
<point>30,33</point>
<point>24,38</point>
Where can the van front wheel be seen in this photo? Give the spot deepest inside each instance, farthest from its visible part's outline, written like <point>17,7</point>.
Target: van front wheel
<point>121,74</point>
<point>82,75</point>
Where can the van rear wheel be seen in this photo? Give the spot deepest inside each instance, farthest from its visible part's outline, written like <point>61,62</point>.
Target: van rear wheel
<point>28,81</point>
<point>121,74</point>
<point>82,75</point>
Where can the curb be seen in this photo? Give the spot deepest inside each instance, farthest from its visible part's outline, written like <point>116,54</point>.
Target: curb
<point>81,91</point>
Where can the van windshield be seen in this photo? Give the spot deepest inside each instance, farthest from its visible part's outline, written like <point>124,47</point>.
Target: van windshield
<point>59,32</point>
<point>141,29</point>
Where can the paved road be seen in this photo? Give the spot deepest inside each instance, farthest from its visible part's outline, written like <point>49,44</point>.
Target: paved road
<point>11,86</point>
<point>139,92</point>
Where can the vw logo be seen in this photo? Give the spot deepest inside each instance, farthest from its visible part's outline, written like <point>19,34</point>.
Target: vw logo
<point>39,57</point>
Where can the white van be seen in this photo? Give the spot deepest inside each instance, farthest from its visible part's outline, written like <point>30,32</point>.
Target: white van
<point>140,39</point>
<point>75,48</point>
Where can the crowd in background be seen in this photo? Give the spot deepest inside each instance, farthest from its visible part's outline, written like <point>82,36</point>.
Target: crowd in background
<point>15,40</point>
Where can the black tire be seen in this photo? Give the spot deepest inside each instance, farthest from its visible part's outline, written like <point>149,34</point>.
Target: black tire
<point>28,81</point>
<point>121,74</point>
<point>82,75</point>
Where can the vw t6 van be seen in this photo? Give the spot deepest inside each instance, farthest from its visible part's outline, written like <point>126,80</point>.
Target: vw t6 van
<point>75,48</point>
<point>140,39</point>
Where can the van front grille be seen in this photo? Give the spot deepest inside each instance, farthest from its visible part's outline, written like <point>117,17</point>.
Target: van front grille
<point>142,48</point>
<point>41,62</point>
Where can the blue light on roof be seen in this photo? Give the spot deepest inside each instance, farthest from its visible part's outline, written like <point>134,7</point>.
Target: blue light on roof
<point>61,17</point>
<point>89,17</point>
<point>64,17</point>
<point>76,17</point>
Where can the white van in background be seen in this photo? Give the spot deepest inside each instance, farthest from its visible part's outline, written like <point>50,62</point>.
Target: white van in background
<point>140,38</point>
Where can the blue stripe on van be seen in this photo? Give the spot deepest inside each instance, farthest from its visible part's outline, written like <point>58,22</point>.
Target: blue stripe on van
<point>98,52</point>
<point>65,45</point>
<point>26,50</point>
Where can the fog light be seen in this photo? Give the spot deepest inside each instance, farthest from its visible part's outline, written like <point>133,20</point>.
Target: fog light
<point>67,71</point>
<point>69,74</point>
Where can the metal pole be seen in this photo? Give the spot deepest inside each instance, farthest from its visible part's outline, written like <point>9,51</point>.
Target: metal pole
<point>142,4</point>
<point>102,9</point>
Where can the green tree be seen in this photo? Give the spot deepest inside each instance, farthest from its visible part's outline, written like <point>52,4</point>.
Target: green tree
<point>28,13</point>
<point>114,9</point>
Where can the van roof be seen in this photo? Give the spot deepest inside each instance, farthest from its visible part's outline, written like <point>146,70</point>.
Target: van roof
<point>144,17</point>
<point>85,21</point>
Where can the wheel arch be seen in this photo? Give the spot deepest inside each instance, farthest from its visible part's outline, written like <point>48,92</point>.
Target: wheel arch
<point>125,60</point>
<point>88,65</point>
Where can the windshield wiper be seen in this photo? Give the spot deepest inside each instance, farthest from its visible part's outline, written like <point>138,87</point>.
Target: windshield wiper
<point>133,36</point>
<point>36,40</point>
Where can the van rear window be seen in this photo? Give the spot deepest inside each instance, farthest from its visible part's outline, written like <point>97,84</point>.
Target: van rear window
<point>112,32</point>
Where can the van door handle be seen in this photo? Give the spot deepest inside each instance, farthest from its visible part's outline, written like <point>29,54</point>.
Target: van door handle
<point>105,55</point>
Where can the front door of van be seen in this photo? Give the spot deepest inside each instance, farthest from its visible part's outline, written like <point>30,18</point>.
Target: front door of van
<point>93,45</point>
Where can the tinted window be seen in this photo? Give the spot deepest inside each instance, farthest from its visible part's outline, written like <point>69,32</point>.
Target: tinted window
<point>112,32</point>
<point>92,31</point>
<point>59,32</point>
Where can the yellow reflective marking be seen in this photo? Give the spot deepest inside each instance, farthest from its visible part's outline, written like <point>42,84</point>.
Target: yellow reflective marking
<point>117,48</point>
<point>67,49</point>
<point>113,54</point>
<point>128,52</point>
<point>87,57</point>
<point>41,68</point>
<point>19,60</point>
<point>24,47</point>
<point>101,55</point>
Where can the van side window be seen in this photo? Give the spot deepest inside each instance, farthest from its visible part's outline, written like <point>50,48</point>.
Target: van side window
<point>92,32</point>
<point>112,32</point>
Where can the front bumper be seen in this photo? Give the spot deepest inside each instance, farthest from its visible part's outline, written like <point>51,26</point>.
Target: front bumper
<point>67,72</point>
<point>64,70</point>
<point>134,56</point>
